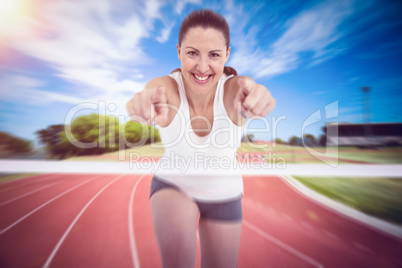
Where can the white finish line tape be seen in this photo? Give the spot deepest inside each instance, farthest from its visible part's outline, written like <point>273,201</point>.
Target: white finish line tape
<point>52,166</point>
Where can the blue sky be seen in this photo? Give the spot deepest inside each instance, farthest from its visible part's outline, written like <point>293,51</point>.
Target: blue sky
<point>59,57</point>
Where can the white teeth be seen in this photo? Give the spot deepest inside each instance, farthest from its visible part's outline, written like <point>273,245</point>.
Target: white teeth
<point>201,78</point>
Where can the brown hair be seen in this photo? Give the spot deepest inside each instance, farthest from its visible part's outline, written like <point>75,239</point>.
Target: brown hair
<point>207,18</point>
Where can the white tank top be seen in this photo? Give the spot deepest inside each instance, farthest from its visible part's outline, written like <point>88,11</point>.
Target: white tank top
<point>202,167</point>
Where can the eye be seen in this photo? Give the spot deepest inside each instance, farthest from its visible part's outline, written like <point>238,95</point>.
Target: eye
<point>215,55</point>
<point>192,53</point>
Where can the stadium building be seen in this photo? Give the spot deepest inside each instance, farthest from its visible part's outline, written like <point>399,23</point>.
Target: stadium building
<point>363,135</point>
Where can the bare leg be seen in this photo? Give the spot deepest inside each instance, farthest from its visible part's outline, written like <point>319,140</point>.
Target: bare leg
<point>220,243</point>
<point>175,222</point>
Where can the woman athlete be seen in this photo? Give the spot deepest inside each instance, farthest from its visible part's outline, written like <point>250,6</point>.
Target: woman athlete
<point>200,109</point>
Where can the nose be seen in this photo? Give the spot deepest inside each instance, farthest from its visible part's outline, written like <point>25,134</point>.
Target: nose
<point>203,65</point>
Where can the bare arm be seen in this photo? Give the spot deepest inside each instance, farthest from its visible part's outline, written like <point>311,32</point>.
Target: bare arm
<point>153,102</point>
<point>244,96</point>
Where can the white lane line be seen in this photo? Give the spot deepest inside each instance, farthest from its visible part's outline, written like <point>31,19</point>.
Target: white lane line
<point>259,206</point>
<point>356,216</point>
<point>134,253</point>
<point>32,181</point>
<point>24,178</point>
<point>29,193</point>
<point>56,248</point>
<point>286,216</point>
<point>7,189</point>
<point>282,244</point>
<point>306,225</point>
<point>331,234</point>
<point>270,210</point>
<point>362,247</point>
<point>41,206</point>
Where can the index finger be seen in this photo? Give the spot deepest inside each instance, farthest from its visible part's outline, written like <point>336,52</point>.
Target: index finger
<point>245,85</point>
<point>158,95</point>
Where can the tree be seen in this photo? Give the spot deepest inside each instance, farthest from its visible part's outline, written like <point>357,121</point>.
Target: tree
<point>51,137</point>
<point>293,140</point>
<point>11,144</point>
<point>248,138</point>
<point>322,141</point>
<point>309,139</point>
<point>279,141</point>
<point>91,134</point>
<point>95,134</point>
<point>138,134</point>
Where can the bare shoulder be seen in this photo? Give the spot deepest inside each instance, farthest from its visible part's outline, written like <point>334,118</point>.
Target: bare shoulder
<point>231,87</point>
<point>165,81</point>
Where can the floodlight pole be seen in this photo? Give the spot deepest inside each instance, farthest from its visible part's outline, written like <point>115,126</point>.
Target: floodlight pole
<point>366,109</point>
<point>366,104</point>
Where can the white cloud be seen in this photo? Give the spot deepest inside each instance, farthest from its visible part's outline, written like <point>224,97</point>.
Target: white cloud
<point>94,44</point>
<point>165,33</point>
<point>86,43</point>
<point>25,90</point>
<point>314,30</point>
<point>152,8</point>
<point>180,4</point>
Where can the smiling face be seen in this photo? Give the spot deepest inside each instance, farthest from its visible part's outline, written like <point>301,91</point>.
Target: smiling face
<point>203,54</point>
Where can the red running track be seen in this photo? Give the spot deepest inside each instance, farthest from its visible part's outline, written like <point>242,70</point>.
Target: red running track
<point>60,220</point>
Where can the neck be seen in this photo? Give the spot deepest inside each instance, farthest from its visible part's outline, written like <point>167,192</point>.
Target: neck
<point>200,101</point>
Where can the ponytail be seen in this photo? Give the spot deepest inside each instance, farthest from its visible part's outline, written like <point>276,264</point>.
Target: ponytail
<point>227,70</point>
<point>175,70</point>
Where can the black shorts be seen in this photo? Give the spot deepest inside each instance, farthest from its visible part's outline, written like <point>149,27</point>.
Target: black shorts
<point>223,211</point>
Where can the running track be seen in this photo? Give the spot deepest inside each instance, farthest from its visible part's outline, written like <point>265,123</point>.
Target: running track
<point>95,220</point>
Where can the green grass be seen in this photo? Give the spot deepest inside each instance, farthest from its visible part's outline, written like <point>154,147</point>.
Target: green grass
<point>379,156</point>
<point>379,197</point>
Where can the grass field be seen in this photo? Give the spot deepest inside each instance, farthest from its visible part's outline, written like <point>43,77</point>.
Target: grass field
<point>380,156</point>
<point>379,197</point>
